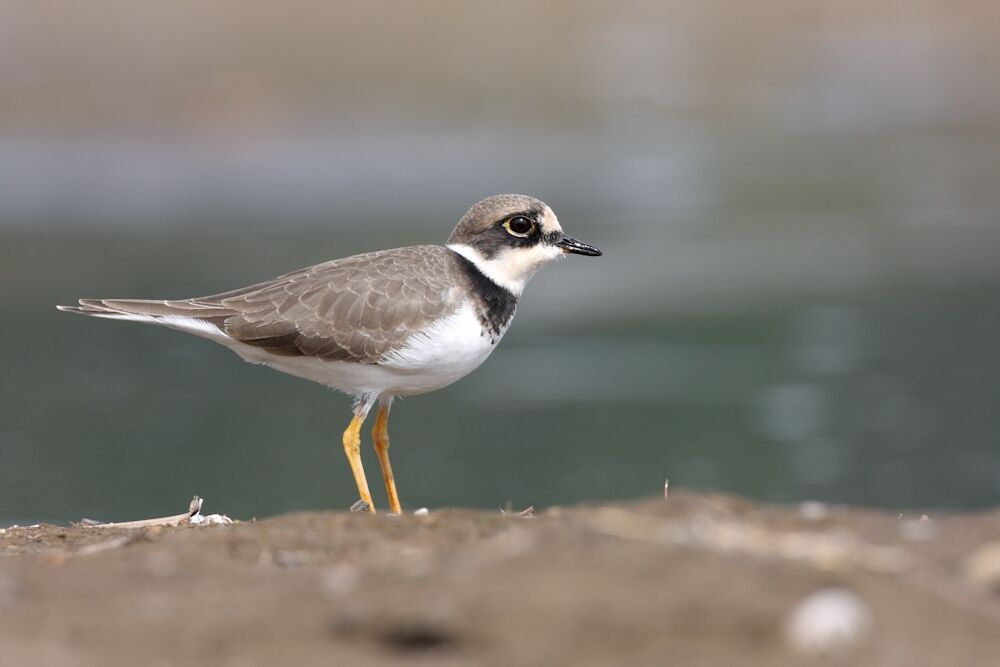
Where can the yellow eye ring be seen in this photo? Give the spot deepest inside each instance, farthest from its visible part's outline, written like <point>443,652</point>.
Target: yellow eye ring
<point>519,226</point>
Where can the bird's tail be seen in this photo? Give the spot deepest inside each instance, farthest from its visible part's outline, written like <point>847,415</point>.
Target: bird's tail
<point>200,318</point>
<point>144,309</point>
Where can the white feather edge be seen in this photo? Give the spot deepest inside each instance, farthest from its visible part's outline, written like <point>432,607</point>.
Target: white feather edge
<point>188,324</point>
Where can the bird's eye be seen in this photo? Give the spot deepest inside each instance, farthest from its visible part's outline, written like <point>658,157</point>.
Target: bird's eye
<point>519,226</point>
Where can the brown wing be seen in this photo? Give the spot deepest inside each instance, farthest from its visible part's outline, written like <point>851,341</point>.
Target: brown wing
<point>351,309</point>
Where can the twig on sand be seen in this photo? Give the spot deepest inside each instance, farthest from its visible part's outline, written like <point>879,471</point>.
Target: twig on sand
<point>175,520</point>
<point>527,513</point>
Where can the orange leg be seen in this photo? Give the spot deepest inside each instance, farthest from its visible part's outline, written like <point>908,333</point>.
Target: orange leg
<point>380,434</point>
<point>352,447</point>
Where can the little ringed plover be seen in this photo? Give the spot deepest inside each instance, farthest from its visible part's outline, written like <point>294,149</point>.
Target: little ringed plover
<point>382,324</point>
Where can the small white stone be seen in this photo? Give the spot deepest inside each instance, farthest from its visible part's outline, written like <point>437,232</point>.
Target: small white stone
<point>982,567</point>
<point>210,519</point>
<point>813,510</point>
<point>920,530</point>
<point>829,621</point>
<point>423,511</point>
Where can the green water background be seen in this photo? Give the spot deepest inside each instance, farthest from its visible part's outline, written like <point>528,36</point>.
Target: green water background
<point>799,206</point>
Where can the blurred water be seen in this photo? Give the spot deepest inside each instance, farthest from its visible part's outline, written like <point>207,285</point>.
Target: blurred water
<point>885,397</point>
<point>800,296</point>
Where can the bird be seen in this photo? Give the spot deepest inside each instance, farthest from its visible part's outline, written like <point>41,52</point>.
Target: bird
<point>378,325</point>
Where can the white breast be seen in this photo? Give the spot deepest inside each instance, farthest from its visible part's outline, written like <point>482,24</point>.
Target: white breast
<point>449,349</point>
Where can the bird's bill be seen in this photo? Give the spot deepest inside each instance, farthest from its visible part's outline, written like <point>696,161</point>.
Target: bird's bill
<point>571,245</point>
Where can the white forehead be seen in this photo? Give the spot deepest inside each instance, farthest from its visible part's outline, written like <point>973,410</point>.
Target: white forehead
<point>549,222</point>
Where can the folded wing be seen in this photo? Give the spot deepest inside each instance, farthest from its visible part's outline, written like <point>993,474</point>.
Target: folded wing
<point>351,309</point>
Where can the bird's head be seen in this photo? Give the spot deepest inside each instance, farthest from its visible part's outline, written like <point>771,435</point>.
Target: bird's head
<point>510,237</point>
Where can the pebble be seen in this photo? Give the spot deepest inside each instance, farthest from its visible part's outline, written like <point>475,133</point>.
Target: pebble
<point>831,621</point>
<point>423,511</point>
<point>918,530</point>
<point>210,519</point>
<point>813,510</point>
<point>982,567</point>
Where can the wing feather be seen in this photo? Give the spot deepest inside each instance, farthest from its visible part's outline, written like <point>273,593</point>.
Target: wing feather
<point>352,309</point>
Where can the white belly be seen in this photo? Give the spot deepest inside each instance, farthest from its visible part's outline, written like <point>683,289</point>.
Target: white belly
<point>447,351</point>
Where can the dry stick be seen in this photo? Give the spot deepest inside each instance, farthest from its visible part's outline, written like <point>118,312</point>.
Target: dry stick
<point>193,509</point>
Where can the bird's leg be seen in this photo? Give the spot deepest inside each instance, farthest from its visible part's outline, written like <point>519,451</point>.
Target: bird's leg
<point>380,434</point>
<point>352,447</point>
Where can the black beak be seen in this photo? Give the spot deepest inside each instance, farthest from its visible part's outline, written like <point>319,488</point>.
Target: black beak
<point>571,245</point>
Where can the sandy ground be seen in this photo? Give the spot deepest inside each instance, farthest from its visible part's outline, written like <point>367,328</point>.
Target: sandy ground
<point>693,580</point>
